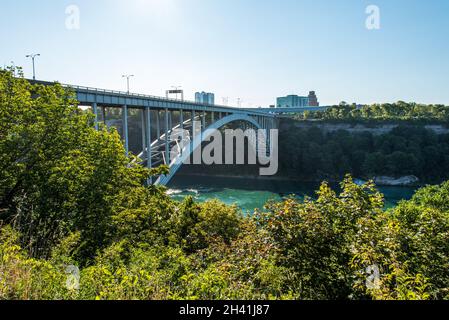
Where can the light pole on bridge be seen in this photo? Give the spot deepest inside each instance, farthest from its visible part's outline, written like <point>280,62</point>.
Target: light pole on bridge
<point>177,89</point>
<point>127,76</point>
<point>33,57</point>
<point>239,102</point>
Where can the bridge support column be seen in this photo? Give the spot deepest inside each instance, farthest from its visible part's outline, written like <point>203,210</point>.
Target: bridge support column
<point>170,121</point>
<point>264,127</point>
<point>95,111</point>
<point>125,127</point>
<point>147,114</point>
<point>181,126</point>
<point>213,117</point>
<point>193,130</point>
<point>256,140</point>
<point>203,122</point>
<point>158,125</point>
<point>167,146</point>
<point>143,120</point>
<point>269,135</point>
<point>103,114</point>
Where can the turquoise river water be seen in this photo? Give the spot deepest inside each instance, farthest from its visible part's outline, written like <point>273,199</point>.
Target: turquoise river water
<point>249,194</point>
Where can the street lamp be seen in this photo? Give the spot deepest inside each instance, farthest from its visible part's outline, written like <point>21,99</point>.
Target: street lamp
<point>33,56</point>
<point>127,76</point>
<point>239,102</point>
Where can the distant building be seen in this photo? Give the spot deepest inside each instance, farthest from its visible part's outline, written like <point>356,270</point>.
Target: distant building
<point>205,97</point>
<point>292,101</point>
<point>313,100</point>
<point>295,101</point>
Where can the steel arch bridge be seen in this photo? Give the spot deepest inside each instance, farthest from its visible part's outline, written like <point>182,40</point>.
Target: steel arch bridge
<point>146,122</point>
<point>185,153</point>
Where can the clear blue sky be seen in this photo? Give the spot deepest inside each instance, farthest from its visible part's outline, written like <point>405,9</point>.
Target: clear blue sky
<point>253,49</point>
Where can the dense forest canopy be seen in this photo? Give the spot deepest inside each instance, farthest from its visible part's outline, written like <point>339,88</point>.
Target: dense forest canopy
<point>312,153</point>
<point>401,110</point>
<point>70,196</point>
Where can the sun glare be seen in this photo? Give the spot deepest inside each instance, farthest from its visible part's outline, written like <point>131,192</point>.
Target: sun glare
<point>155,6</point>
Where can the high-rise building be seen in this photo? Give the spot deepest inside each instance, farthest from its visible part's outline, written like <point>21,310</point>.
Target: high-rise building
<point>292,101</point>
<point>313,100</point>
<point>205,97</point>
<point>295,101</point>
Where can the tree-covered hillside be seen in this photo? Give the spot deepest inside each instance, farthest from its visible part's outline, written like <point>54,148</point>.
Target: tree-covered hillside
<point>312,153</point>
<point>399,111</point>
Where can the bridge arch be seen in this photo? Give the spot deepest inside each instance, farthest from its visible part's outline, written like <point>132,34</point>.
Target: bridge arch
<point>177,163</point>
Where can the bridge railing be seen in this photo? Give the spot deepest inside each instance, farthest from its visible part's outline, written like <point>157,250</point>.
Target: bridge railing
<point>140,95</point>
<point>144,96</point>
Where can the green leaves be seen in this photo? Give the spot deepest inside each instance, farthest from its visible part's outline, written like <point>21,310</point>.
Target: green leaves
<point>316,151</point>
<point>340,246</point>
<point>58,174</point>
<point>316,238</point>
<point>388,111</point>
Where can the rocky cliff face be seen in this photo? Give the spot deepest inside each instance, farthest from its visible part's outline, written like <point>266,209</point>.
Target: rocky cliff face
<point>375,129</point>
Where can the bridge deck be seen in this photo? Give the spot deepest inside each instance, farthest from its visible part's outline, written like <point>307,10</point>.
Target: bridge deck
<point>89,96</point>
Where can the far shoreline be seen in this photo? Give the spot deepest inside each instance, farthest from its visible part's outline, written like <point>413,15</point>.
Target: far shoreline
<point>297,180</point>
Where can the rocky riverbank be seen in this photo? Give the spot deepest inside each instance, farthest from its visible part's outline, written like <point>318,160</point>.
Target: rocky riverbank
<point>405,181</point>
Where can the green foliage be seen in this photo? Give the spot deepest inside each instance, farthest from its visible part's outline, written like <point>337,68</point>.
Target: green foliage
<point>316,237</point>
<point>193,226</point>
<point>423,235</point>
<point>381,112</point>
<point>318,249</point>
<point>58,174</point>
<point>22,277</point>
<point>313,154</point>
